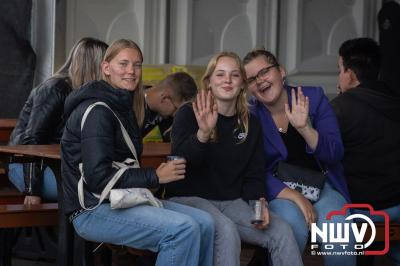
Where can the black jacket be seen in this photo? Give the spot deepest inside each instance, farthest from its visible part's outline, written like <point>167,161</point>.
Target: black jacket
<point>99,143</point>
<point>153,119</point>
<point>40,122</point>
<point>369,119</point>
<point>223,170</point>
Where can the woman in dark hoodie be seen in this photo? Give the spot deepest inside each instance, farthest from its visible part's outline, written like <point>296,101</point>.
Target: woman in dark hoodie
<point>181,235</point>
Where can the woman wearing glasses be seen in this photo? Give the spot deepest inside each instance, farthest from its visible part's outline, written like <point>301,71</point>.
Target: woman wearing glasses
<point>299,128</point>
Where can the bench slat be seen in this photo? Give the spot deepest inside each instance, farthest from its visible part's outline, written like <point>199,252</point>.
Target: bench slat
<point>20,215</point>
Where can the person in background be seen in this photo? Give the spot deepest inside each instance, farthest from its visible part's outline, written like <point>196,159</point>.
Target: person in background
<point>180,87</point>
<point>164,99</point>
<point>300,128</point>
<point>222,143</point>
<point>369,118</point>
<point>41,118</point>
<point>181,235</point>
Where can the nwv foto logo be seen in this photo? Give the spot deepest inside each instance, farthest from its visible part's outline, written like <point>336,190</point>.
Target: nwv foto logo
<point>332,234</point>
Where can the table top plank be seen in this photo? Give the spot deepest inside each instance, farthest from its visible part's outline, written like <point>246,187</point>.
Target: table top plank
<point>44,151</point>
<point>158,149</point>
<point>53,151</point>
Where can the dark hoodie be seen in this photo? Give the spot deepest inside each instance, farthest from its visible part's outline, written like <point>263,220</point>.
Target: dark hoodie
<point>369,119</point>
<point>99,143</point>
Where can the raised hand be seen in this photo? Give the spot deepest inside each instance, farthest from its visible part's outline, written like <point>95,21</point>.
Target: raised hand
<point>206,112</point>
<point>171,171</point>
<point>298,116</point>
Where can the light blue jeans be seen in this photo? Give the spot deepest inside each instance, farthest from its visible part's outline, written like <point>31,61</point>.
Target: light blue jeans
<point>180,234</point>
<point>232,224</point>
<point>49,186</point>
<point>329,200</point>
<point>394,215</point>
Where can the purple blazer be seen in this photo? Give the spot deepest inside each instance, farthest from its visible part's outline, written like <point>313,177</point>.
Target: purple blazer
<point>329,150</point>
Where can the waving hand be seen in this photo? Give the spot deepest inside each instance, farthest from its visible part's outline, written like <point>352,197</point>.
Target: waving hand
<point>298,116</point>
<point>206,112</point>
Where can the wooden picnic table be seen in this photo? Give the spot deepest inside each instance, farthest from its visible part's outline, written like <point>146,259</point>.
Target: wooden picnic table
<point>153,154</point>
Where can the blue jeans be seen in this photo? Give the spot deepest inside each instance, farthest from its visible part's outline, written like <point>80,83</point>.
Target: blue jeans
<point>49,186</point>
<point>329,200</point>
<point>394,215</point>
<point>180,234</point>
<point>232,224</point>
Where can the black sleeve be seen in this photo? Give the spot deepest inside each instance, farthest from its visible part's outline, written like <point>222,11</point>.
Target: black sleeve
<point>254,180</point>
<point>337,106</point>
<point>46,114</point>
<point>33,178</point>
<point>98,147</point>
<point>165,126</point>
<point>184,140</point>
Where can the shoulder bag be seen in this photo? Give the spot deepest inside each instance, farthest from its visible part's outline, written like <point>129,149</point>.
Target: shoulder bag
<point>124,197</point>
<point>306,181</point>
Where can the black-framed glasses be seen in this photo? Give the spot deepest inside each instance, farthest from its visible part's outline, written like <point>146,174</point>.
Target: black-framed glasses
<point>263,73</point>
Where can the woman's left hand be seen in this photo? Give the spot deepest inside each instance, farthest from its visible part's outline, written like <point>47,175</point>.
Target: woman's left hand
<point>298,116</point>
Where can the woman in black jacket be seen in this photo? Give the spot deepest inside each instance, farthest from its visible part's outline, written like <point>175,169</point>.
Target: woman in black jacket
<point>180,234</point>
<point>40,121</point>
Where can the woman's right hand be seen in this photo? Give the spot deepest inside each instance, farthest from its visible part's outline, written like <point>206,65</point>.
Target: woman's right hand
<point>171,171</point>
<point>206,112</point>
<point>306,208</point>
<point>304,204</point>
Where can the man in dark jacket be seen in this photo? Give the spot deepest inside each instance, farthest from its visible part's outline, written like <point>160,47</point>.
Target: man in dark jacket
<point>369,118</point>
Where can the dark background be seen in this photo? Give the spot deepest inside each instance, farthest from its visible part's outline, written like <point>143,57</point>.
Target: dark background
<point>17,58</point>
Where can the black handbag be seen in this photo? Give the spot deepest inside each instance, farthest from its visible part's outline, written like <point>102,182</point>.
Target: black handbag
<point>306,181</point>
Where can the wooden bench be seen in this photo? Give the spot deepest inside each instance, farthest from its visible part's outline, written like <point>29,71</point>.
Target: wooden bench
<point>20,215</point>
<point>6,127</point>
<point>11,196</point>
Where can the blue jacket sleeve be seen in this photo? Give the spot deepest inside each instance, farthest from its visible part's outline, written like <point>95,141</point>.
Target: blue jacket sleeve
<point>274,186</point>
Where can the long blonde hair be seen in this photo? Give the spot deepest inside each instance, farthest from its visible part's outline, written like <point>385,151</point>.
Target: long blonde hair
<point>83,63</point>
<point>138,98</point>
<point>242,107</point>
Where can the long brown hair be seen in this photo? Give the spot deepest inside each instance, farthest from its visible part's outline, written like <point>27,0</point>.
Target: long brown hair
<point>242,108</point>
<point>138,98</point>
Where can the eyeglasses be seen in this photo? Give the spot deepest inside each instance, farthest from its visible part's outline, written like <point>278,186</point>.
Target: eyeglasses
<point>263,73</point>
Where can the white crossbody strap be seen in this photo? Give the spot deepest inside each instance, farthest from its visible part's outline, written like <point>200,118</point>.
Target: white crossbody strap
<point>121,166</point>
<point>124,132</point>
